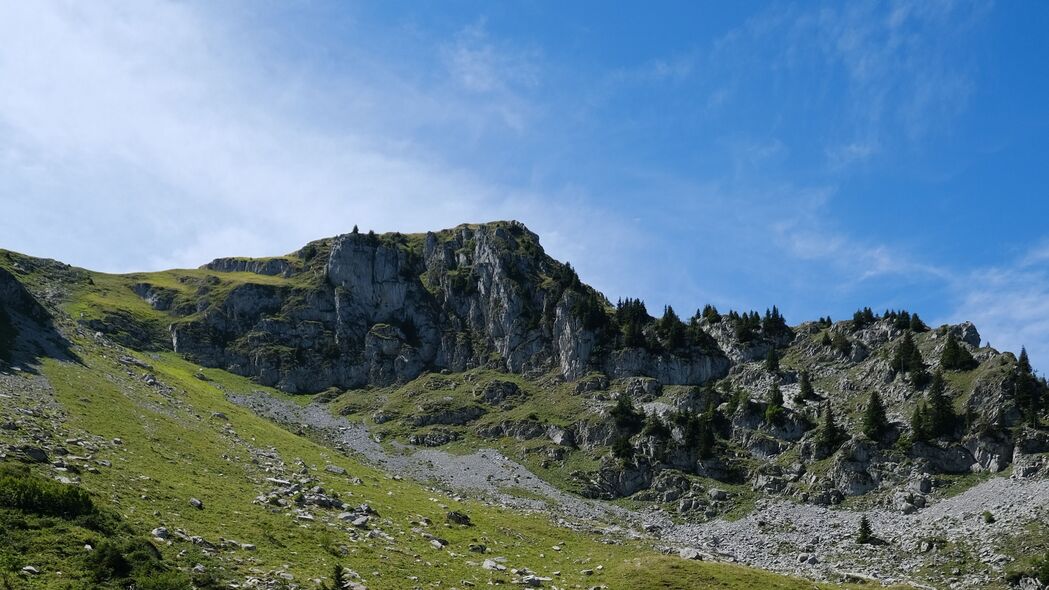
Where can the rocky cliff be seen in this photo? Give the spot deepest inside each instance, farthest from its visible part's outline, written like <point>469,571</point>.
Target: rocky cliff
<point>366,309</point>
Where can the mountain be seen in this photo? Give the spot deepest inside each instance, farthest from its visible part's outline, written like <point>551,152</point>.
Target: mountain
<point>469,359</point>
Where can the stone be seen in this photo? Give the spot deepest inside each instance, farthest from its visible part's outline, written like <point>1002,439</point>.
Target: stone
<point>34,454</point>
<point>196,503</point>
<point>717,494</point>
<point>492,565</point>
<point>456,517</point>
<point>160,533</point>
<point>335,469</point>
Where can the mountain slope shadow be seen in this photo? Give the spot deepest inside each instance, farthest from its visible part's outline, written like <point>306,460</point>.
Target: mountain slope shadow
<point>27,329</point>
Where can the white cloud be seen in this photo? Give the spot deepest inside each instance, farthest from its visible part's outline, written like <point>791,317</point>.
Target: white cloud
<point>145,134</point>
<point>1009,304</point>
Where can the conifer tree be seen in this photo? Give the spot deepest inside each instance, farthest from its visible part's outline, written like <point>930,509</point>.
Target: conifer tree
<point>671,329</point>
<point>830,433</point>
<point>622,449</point>
<point>774,411</point>
<point>955,356</point>
<point>710,313</point>
<point>772,361</point>
<point>941,415</point>
<point>919,426</point>
<point>826,341</point>
<point>699,433</point>
<point>627,418</point>
<point>874,420</point>
<point>917,325</point>
<point>903,356</point>
<point>1029,390</point>
<point>865,535</point>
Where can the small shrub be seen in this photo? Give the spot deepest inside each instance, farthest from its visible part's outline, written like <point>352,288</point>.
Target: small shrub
<point>988,517</point>
<point>22,490</point>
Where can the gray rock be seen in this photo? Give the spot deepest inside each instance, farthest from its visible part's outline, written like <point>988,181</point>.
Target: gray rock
<point>490,564</point>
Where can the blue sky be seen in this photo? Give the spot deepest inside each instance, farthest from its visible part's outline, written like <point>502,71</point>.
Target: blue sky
<point>820,157</point>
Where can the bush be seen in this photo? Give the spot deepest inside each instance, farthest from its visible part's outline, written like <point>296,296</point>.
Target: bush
<point>22,490</point>
<point>118,559</point>
<point>107,562</point>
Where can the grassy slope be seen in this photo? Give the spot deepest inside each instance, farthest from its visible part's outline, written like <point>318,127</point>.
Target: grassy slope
<point>175,450</point>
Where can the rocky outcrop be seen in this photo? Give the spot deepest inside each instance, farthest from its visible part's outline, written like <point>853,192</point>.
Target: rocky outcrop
<point>377,310</point>
<point>667,368</point>
<point>260,266</point>
<point>26,327</point>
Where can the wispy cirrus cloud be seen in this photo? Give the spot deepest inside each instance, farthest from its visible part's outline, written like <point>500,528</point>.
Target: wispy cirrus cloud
<point>1009,303</point>
<point>149,124</point>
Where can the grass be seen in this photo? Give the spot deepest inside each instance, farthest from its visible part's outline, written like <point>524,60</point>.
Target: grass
<point>173,449</point>
<point>54,527</point>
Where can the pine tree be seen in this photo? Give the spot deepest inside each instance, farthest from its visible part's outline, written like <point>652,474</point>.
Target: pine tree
<point>941,415</point>
<point>1029,391</point>
<point>908,359</point>
<point>903,356</point>
<point>955,356</point>
<point>829,434</point>
<point>919,426</point>
<point>710,313</point>
<point>874,420</point>
<point>627,418</point>
<point>774,323</point>
<point>826,341</point>
<point>917,325</point>
<point>633,337</point>
<point>671,330</point>
<point>865,536</point>
<point>355,230</point>
<point>772,361</point>
<point>699,433</point>
<point>622,449</point>
<point>774,411</point>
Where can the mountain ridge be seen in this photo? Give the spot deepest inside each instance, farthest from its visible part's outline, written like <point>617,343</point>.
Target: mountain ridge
<point>472,338</point>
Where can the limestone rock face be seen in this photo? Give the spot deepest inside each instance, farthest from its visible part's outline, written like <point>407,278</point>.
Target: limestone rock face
<point>379,310</point>
<point>666,368</point>
<point>261,266</point>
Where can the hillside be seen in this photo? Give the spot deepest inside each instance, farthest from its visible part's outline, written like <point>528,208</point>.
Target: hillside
<point>465,372</point>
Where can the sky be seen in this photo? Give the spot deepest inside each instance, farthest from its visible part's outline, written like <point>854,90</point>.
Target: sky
<point>817,156</point>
